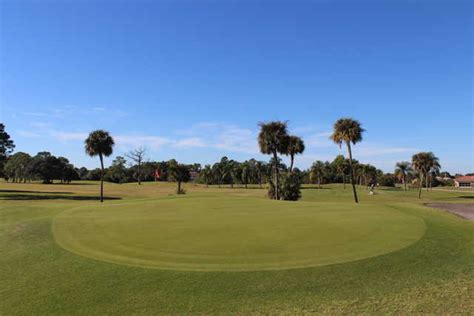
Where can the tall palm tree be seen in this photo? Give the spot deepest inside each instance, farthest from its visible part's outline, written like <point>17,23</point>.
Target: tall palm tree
<point>295,147</point>
<point>100,143</point>
<point>273,139</point>
<point>347,130</point>
<point>402,169</point>
<point>317,171</point>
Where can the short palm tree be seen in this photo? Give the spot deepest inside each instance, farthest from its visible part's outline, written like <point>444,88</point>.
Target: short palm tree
<point>402,169</point>
<point>419,162</point>
<point>273,139</point>
<point>295,147</point>
<point>100,143</point>
<point>260,169</point>
<point>317,171</point>
<point>347,130</point>
<point>207,174</point>
<point>423,163</point>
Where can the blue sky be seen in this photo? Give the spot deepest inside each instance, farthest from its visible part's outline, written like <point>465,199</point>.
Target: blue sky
<point>191,79</point>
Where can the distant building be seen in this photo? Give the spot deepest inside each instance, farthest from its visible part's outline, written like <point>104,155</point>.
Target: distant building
<point>193,175</point>
<point>464,182</point>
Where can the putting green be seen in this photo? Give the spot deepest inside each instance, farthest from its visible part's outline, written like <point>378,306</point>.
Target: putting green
<point>234,233</point>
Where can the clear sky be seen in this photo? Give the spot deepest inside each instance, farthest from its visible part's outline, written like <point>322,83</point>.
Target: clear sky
<point>191,79</point>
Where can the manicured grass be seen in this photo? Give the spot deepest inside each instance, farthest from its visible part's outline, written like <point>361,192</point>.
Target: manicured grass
<point>218,233</point>
<point>395,253</point>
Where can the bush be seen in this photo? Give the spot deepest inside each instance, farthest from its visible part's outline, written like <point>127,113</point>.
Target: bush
<point>290,184</point>
<point>386,180</point>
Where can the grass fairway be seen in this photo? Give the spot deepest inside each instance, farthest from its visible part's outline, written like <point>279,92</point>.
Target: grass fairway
<point>230,251</point>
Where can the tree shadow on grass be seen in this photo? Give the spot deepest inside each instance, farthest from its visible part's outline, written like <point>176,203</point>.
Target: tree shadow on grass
<point>33,197</point>
<point>466,196</point>
<point>43,192</point>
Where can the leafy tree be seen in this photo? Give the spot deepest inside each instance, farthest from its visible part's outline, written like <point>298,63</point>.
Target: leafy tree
<point>16,167</point>
<point>179,173</point>
<point>6,146</point>
<point>94,174</point>
<point>100,143</point>
<point>82,172</point>
<point>402,170</point>
<point>272,140</point>
<point>117,172</point>
<point>347,130</point>
<point>368,173</point>
<point>295,147</point>
<point>67,171</point>
<point>45,166</point>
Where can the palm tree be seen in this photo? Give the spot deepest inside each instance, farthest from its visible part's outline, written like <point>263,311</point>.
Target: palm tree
<point>180,173</point>
<point>434,167</point>
<point>341,166</point>
<point>207,174</point>
<point>347,130</point>
<point>273,139</point>
<point>317,171</point>
<point>245,166</point>
<point>295,147</point>
<point>100,143</point>
<point>402,169</point>
<point>423,163</point>
<point>260,169</point>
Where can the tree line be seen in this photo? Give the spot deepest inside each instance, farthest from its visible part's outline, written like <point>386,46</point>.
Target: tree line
<point>283,181</point>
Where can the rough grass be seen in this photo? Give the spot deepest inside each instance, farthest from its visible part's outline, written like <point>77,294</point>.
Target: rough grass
<point>434,274</point>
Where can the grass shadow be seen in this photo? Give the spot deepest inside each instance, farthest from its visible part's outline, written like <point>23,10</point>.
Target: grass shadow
<point>466,196</point>
<point>35,197</point>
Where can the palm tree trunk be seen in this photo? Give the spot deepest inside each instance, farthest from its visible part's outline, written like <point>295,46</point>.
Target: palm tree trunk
<point>405,181</point>
<point>344,181</point>
<point>319,182</point>
<point>275,157</point>
<point>420,185</point>
<point>426,181</point>
<point>101,178</point>
<point>179,187</point>
<point>292,160</point>
<point>352,173</point>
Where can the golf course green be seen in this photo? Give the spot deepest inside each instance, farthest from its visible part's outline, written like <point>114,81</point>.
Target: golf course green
<point>219,233</point>
<point>216,250</point>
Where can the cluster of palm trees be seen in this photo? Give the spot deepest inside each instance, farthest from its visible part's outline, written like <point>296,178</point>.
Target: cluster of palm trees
<point>424,166</point>
<point>274,139</point>
<point>228,171</point>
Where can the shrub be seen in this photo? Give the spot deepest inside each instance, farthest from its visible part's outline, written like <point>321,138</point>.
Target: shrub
<point>290,184</point>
